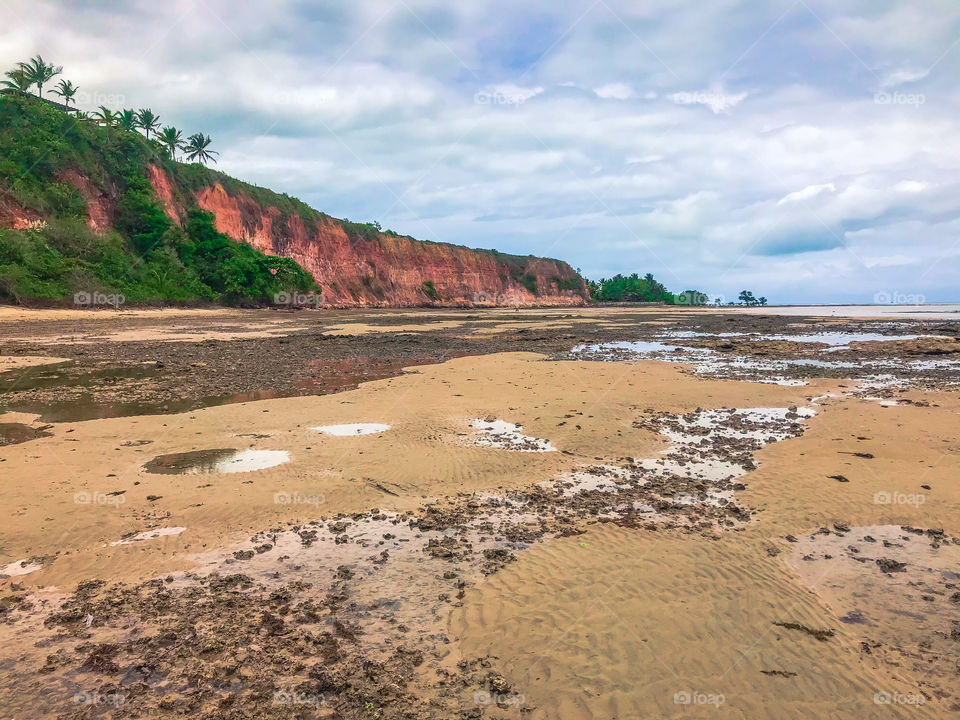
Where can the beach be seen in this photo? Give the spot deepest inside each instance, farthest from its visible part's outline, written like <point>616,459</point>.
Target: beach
<point>577,513</point>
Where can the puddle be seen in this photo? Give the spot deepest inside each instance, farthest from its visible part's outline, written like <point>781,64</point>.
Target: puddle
<point>90,407</point>
<point>837,340</point>
<point>42,377</point>
<point>13,433</point>
<point>779,371</point>
<point>507,436</point>
<point>352,429</point>
<point>249,460</point>
<point>20,567</point>
<point>222,460</point>
<point>148,535</point>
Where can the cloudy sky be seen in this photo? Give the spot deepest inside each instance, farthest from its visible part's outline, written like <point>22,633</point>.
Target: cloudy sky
<point>805,149</point>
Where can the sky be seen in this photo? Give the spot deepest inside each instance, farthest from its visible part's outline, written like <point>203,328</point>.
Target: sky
<point>806,150</point>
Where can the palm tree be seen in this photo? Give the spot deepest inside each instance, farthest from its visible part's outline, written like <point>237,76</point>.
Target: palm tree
<point>147,121</point>
<point>18,80</point>
<point>196,148</point>
<point>127,119</point>
<point>172,140</point>
<point>39,72</point>
<point>67,90</point>
<point>105,116</point>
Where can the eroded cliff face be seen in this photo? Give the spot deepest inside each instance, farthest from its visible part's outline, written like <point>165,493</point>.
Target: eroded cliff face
<point>381,269</point>
<point>100,205</point>
<point>13,216</point>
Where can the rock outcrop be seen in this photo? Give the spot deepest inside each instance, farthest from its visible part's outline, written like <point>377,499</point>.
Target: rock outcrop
<point>379,268</point>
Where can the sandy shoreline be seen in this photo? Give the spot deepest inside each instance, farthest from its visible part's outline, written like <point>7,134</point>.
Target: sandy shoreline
<point>618,520</point>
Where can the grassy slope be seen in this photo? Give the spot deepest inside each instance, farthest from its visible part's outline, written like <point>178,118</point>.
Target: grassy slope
<point>148,257</point>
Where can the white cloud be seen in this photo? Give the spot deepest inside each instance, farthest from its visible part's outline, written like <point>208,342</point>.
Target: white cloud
<point>615,91</point>
<point>795,183</point>
<point>811,191</point>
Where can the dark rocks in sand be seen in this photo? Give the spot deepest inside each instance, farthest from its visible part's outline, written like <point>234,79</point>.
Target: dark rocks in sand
<point>854,618</point>
<point>307,537</point>
<point>821,635</point>
<point>891,566</point>
<point>338,527</point>
<point>839,478</point>
<point>100,659</point>
<point>497,682</point>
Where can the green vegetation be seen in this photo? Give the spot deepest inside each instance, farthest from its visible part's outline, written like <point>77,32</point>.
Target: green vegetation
<point>66,90</point>
<point>34,72</point>
<point>746,298</point>
<point>430,291</point>
<point>633,288</point>
<point>196,148</point>
<point>147,257</point>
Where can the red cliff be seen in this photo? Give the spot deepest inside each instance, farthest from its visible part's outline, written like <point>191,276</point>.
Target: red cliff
<point>378,268</point>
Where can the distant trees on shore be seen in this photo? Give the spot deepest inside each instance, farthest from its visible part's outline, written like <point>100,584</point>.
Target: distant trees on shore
<point>37,72</point>
<point>746,298</point>
<point>633,288</point>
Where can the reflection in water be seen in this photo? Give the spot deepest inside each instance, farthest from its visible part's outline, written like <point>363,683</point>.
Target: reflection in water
<point>221,460</point>
<point>13,433</point>
<point>88,407</point>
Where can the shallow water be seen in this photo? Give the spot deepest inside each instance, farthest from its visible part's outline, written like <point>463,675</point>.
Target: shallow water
<point>220,460</point>
<point>929,311</point>
<point>149,535</point>
<point>19,567</point>
<point>13,433</point>
<point>352,429</point>
<point>507,436</point>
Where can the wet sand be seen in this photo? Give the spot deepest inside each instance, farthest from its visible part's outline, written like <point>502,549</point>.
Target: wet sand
<point>520,531</point>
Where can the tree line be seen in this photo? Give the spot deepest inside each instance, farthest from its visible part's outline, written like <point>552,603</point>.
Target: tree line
<point>36,72</point>
<point>633,288</point>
